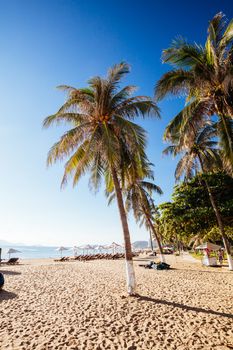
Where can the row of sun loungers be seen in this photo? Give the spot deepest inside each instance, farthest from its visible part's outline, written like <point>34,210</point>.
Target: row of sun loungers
<point>100,256</point>
<point>93,257</point>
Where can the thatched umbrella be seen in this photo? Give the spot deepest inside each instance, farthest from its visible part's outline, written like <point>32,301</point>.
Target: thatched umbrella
<point>12,251</point>
<point>61,249</point>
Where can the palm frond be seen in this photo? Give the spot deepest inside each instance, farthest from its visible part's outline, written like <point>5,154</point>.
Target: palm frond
<point>66,145</point>
<point>215,28</point>
<point>179,120</point>
<point>118,71</point>
<point>151,187</point>
<point>96,173</point>
<point>175,82</point>
<point>76,163</point>
<point>59,118</point>
<point>211,58</point>
<point>122,95</point>
<point>227,37</point>
<point>138,106</point>
<point>184,55</point>
<point>225,131</point>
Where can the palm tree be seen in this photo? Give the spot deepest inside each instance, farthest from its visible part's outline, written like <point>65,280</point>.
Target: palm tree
<point>204,76</point>
<point>200,154</point>
<point>139,199</point>
<point>103,140</point>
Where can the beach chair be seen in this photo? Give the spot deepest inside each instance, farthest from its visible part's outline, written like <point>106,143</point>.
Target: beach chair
<point>12,261</point>
<point>77,257</point>
<point>64,258</point>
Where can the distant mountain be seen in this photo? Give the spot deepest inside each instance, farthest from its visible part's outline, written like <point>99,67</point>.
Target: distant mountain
<point>140,244</point>
<point>4,243</point>
<point>7,244</point>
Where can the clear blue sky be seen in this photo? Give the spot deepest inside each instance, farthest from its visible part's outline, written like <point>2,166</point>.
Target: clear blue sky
<point>47,43</point>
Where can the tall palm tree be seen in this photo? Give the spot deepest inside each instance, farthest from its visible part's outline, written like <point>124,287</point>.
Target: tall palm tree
<point>139,199</point>
<point>138,192</point>
<point>103,140</point>
<point>204,75</point>
<point>200,154</point>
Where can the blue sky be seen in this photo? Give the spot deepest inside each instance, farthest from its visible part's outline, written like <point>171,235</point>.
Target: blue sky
<point>47,43</point>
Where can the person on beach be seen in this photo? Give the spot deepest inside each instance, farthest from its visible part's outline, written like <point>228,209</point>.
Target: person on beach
<point>220,256</point>
<point>207,252</point>
<point>1,280</point>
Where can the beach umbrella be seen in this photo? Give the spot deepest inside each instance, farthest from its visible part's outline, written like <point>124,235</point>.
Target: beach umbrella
<point>107,247</point>
<point>104,248</point>
<point>210,246</point>
<point>12,251</point>
<point>86,247</point>
<point>89,247</point>
<point>74,249</point>
<point>81,247</point>
<point>61,249</point>
<point>114,246</point>
<point>99,248</point>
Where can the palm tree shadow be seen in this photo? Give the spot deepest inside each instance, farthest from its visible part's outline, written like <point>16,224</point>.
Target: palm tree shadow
<point>12,273</point>
<point>182,306</point>
<point>5,295</point>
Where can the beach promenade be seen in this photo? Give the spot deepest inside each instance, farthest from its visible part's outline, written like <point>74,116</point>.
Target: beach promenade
<point>83,305</point>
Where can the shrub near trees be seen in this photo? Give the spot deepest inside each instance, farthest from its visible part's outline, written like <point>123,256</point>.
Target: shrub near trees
<point>190,219</point>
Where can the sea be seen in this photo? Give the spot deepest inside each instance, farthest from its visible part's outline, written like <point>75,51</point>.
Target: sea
<point>41,252</point>
<point>36,252</point>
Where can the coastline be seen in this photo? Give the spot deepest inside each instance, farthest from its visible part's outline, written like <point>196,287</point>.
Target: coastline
<point>83,305</point>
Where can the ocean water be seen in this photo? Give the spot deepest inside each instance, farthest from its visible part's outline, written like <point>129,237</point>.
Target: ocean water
<point>40,252</point>
<point>34,252</point>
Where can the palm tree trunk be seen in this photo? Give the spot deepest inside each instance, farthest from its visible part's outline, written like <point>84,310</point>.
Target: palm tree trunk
<point>219,221</point>
<point>130,275</point>
<point>177,244</point>
<point>156,237</point>
<point>151,243</point>
<point>221,227</point>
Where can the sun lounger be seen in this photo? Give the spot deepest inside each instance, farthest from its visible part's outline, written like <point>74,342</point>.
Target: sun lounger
<point>64,258</point>
<point>11,261</point>
<point>105,256</point>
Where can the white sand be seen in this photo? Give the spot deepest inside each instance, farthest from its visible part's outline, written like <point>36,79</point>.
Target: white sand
<point>77,305</point>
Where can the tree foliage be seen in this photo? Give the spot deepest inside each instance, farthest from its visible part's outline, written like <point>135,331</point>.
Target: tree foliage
<point>190,218</point>
<point>203,75</point>
<point>102,133</point>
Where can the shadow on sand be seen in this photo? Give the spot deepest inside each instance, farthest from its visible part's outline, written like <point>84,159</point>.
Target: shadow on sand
<point>5,295</point>
<point>218,271</point>
<point>11,273</point>
<point>182,306</point>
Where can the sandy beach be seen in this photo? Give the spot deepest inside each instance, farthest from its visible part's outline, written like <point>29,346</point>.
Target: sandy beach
<point>78,305</point>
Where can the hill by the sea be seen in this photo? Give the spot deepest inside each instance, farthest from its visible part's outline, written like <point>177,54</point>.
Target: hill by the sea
<point>140,244</point>
<point>7,244</point>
